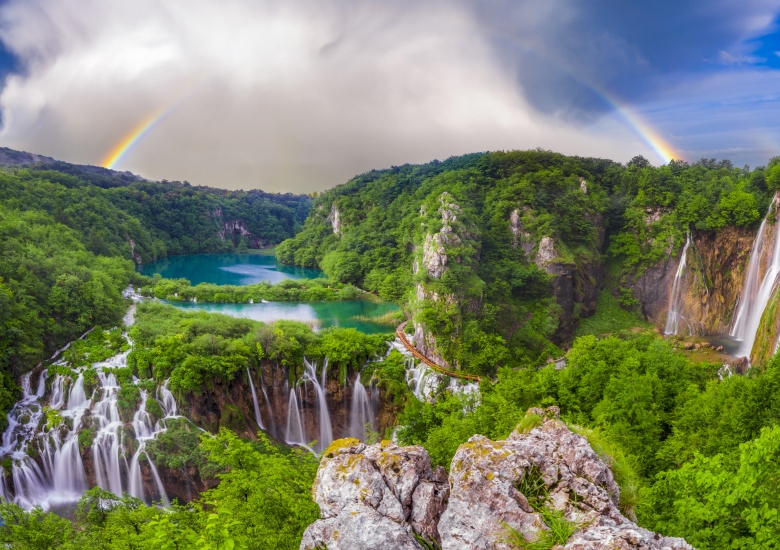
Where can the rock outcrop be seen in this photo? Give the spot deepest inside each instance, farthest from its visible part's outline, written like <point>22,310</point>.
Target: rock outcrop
<point>385,496</point>
<point>375,497</point>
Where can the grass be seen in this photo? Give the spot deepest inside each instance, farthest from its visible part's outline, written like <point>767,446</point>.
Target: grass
<point>557,529</point>
<point>622,467</point>
<point>529,422</point>
<point>390,319</point>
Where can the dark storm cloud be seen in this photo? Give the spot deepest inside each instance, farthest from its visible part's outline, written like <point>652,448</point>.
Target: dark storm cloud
<point>300,95</point>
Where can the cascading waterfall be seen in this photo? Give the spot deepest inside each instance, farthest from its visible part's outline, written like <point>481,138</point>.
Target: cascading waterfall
<point>674,317</point>
<point>258,418</point>
<point>59,476</point>
<point>755,296</point>
<point>362,414</point>
<point>294,434</point>
<point>326,429</point>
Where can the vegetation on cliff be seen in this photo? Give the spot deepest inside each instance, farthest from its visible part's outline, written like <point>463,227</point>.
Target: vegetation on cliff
<point>474,245</point>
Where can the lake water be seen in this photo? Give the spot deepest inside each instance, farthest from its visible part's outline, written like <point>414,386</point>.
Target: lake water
<point>227,269</point>
<point>317,314</point>
<point>246,269</point>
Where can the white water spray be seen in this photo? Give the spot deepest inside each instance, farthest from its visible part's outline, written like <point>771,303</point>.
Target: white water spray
<point>755,295</point>
<point>674,316</point>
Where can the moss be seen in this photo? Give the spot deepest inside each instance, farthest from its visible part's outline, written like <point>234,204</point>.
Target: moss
<point>528,423</point>
<point>339,444</point>
<point>154,408</point>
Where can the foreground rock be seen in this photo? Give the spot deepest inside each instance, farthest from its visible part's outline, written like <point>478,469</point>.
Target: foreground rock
<point>376,496</point>
<point>385,496</point>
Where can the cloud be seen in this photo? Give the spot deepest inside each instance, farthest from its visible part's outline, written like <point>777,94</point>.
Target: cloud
<point>282,96</point>
<point>301,95</point>
<point>726,58</point>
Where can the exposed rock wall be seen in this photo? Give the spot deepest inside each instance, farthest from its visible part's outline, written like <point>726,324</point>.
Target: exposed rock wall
<point>379,496</point>
<point>713,279</point>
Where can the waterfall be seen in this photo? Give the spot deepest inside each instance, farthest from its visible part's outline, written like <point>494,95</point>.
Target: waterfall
<point>361,413</point>
<point>77,399</point>
<point>326,429</point>
<point>673,318</point>
<point>294,434</point>
<point>258,418</point>
<point>268,406</point>
<point>755,295</point>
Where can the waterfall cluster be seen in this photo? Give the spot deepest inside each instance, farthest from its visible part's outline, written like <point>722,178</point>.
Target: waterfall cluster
<point>59,476</point>
<point>756,290</point>
<point>674,316</point>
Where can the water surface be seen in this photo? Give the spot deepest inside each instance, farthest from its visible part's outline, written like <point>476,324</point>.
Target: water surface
<point>317,314</point>
<point>227,269</point>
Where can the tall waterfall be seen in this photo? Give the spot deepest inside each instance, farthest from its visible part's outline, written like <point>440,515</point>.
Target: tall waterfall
<point>258,418</point>
<point>295,434</point>
<point>361,414</point>
<point>755,294</point>
<point>326,429</point>
<point>673,318</point>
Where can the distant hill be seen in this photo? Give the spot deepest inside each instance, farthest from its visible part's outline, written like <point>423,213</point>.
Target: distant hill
<point>106,206</point>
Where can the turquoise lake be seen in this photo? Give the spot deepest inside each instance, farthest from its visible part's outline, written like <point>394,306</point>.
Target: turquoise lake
<point>246,269</point>
<point>227,269</point>
<point>317,314</point>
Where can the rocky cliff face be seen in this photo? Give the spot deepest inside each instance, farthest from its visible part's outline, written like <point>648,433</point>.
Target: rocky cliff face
<point>711,284</point>
<point>385,496</point>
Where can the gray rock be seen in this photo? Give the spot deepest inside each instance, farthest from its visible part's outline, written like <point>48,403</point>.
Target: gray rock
<point>380,496</point>
<point>376,496</point>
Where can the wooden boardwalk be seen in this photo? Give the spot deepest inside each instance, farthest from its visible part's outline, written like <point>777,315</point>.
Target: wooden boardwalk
<point>455,374</point>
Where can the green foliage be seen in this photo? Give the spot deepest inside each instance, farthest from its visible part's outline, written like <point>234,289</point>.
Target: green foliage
<point>716,503</point>
<point>298,290</point>
<point>556,530</point>
<point>197,348</point>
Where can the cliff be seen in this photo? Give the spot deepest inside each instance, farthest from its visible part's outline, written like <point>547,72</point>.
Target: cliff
<point>499,494</point>
<point>711,283</point>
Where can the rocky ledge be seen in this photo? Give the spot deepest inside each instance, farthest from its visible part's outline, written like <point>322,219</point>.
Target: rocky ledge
<point>500,495</point>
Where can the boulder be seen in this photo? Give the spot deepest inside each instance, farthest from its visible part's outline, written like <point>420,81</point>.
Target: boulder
<point>386,496</point>
<point>376,496</point>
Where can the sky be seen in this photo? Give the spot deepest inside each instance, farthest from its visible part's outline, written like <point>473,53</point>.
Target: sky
<point>301,95</point>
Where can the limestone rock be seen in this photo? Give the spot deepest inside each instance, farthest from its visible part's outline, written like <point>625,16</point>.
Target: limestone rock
<point>546,252</point>
<point>380,496</point>
<point>376,496</point>
<point>521,237</point>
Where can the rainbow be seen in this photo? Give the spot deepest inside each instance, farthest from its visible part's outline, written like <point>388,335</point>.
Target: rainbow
<point>642,128</point>
<point>131,139</point>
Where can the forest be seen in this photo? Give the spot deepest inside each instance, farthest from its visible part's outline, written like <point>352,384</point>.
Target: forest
<point>694,451</point>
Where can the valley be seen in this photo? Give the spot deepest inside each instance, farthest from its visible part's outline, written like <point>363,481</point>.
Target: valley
<point>517,280</point>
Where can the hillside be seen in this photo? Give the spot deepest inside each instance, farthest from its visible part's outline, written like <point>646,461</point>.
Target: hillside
<point>499,256</point>
<point>69,236</point>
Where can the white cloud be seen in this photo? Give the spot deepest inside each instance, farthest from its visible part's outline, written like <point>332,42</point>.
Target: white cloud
<point>282,96</point>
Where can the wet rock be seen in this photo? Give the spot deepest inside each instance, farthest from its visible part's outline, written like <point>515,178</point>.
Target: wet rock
<point>719,348</point>
<point>390,492</point>
<point>740,366</point>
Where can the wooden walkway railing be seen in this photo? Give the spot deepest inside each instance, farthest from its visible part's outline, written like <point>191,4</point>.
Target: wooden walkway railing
<point>455,374</point>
